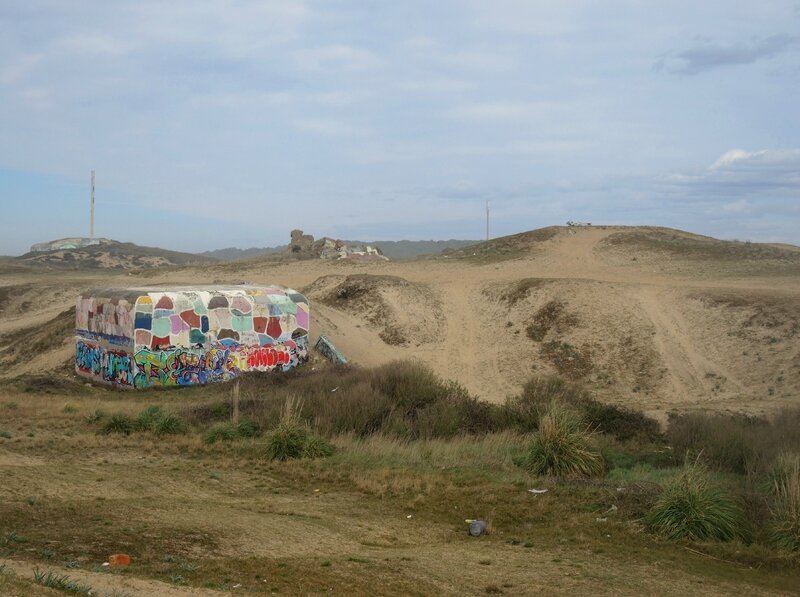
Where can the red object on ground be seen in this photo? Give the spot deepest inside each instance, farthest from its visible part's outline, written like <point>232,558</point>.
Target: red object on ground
<point>119,559</point>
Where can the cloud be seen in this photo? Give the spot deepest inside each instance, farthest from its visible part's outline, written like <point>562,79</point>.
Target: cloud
<point>707,55</point>
<point>729,159</point>
<point>95,44</point>
<point>330,127</point>
<point>770,162</point>
<point>336,57</point>
<point>513,111</point>
<point>771,175</point>
<point>16,69</point>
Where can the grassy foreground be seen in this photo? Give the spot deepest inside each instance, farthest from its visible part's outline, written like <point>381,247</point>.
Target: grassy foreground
<point>414,457</point>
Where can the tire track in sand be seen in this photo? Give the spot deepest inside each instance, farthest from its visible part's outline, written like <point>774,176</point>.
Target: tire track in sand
<point>686,367</point>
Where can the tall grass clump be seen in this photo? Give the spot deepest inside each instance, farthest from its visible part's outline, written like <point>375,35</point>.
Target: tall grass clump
<point>692,506</point>
<point>228,431</point>
<point>157,421</point>
<point>784,527</point>
<point>224,432</point>
<point>169,424</point>
<point>293,438</point>
<point>148,418</point>
<point>118,423</point>
<point>562,447</point>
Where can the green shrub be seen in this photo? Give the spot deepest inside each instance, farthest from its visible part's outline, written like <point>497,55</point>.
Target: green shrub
<point>287,441</point>
<point>229,432</point>
<point>727,442</point>
<point>247,428</point>
<point>158,422</point>
<point>525,410</point>
<point>408,385</point>
<point>736,443</point>
<point>148,418</point>
<point>118,423</point>
<point>317,447</point>
<point>693,507</point>
<point>221,432</point>
<point>623,423</point>
<point>168,424</point>
<point>562,447</point>
<point>293,438</point>
<point>784,527</point>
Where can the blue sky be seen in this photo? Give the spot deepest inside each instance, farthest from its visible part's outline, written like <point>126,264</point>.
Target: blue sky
<point>215,124</point>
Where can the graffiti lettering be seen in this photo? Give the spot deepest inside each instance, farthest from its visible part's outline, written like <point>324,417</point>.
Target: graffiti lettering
<point>108,365</point>
<point>266,358</point>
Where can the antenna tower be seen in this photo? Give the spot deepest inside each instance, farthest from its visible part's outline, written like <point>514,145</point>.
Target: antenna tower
<point>91,220</point>
<point>487,219</point>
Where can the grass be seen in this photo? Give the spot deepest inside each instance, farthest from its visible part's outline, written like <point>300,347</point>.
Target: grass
<point>229,431</point>
<point>784,528</point>
<point>118,423</point>
<point>562,447</point>
<point>393,495</point>
<point>293,438</point>
<point>221,432</point>
<point>152,419</point>
<point>693,507</point>
<point>735,443</point>
<point>524,410</point>
<point>60,582</point>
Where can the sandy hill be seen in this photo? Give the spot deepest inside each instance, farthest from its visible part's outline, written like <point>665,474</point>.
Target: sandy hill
<point>110,255</point>
<point>659,318</point>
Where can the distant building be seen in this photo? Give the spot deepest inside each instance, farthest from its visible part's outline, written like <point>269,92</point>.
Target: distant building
<point>65,244</point>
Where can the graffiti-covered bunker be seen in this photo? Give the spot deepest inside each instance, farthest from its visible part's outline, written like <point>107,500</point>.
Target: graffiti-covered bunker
<point>139,338</point>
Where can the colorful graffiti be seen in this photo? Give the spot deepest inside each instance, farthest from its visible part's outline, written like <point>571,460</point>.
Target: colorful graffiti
<point>109,365</point>
<point>189,337</point>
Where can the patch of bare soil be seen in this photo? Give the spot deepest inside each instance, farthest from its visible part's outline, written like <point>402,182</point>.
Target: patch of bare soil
<point>35,342</point>
<point>9,294</point>
<point>404,313</point>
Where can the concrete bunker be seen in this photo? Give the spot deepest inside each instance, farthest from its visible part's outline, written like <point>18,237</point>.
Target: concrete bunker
<point>141,338</point>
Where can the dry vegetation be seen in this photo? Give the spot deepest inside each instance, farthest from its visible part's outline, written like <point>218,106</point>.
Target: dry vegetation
<point>413,457</point>
<point>561,343</point>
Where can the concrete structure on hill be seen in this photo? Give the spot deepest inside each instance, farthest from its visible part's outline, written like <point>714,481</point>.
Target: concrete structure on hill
<point>64,244</point>
<point>139,338</point>
<point>304,245</point>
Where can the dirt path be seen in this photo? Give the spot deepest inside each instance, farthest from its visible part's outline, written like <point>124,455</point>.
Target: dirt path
<point>689,372</point>
<point>459,354</point>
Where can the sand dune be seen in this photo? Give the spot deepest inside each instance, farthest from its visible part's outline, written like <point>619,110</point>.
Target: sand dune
<point>651,317</point>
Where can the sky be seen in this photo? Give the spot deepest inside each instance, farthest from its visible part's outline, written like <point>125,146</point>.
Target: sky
<point>214,124</point>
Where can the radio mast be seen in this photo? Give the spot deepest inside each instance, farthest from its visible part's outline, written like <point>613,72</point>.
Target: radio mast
<point>487,219</point>
<point>91,220</point>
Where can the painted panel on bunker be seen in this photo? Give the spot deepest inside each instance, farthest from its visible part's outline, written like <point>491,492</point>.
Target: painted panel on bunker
<point>142,338</point>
